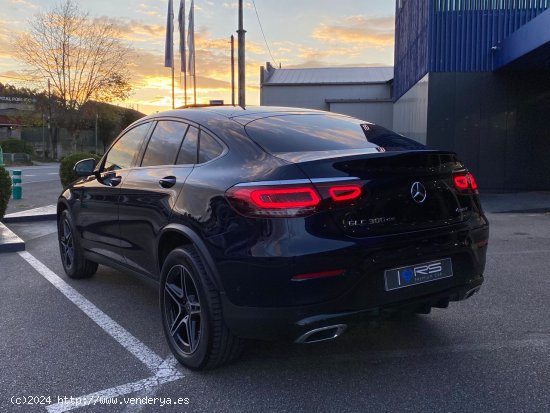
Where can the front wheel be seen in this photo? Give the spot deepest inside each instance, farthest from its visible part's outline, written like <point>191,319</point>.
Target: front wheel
<point>72,256</point>
<point>191,313</point>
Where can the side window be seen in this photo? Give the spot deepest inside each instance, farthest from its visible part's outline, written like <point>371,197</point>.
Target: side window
<point>122,154</point>
<point>164,143</point>
<point>188,151</point>
<point>209,148</point>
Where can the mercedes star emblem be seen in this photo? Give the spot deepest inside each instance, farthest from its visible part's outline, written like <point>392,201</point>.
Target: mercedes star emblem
<point>418,193</point>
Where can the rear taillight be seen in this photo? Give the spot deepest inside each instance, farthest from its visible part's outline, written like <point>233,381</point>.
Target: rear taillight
<point>465,182</point>
<point>282,200</point>
<point>345,193</point>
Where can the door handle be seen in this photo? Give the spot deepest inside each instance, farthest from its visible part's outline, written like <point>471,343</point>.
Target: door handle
<point>168,182</point>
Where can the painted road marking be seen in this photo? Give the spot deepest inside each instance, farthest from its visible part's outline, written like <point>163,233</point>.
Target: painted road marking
<point>165,373</point>
<point>164,370</point>
<point>110,326</point>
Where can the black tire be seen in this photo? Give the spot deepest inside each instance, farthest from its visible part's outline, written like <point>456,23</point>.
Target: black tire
<point>190,307</point>
<point>72,256</point>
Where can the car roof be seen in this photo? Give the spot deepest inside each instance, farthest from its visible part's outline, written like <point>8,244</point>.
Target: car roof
<point>236,113</point>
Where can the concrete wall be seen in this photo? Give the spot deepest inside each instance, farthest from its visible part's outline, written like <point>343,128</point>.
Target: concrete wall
<point>316,96</point>
<point>410,112</point>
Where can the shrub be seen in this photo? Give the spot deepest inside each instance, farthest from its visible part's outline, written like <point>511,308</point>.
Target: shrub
<point>16,146</point>
<point>5,190</point>
<point>67,164</point>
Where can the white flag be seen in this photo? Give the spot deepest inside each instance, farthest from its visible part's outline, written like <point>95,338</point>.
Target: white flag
<point>191,39</point>
<point>183,51</point>
<point>169,47</point>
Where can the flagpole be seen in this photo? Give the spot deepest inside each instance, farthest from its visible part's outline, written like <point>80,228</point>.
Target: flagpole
<point>242,67</point>
<point>194,78</point>
<point>173,82</point>
<point>173,64</point>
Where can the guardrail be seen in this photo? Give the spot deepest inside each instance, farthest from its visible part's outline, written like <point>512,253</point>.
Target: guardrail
<point>12,158</point>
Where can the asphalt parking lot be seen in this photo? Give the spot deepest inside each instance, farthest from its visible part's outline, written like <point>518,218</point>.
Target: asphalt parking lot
<point>102,338</point>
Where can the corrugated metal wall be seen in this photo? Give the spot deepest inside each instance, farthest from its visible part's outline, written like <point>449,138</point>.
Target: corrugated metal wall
<point>460,34</point>
<point>411,43</point>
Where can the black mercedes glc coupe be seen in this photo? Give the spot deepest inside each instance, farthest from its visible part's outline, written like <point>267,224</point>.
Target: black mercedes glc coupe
<point>270,222</point>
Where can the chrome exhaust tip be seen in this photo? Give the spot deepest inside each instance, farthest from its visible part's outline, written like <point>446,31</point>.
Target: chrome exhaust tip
<point>322,334</point>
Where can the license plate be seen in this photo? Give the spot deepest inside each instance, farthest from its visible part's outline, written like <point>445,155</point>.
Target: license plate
<point>418,274</point>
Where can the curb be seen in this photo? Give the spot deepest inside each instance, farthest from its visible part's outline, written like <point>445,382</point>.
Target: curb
<point>9,242</point>
<point>32,215</point>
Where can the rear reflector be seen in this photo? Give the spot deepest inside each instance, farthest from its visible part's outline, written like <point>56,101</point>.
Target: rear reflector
<point>317,275</point>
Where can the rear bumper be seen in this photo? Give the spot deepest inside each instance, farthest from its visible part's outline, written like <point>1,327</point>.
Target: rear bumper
<point>292,323</point>
<point>273,306</point>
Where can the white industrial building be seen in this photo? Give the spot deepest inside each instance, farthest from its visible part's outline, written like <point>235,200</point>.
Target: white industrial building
<point>362,92</point>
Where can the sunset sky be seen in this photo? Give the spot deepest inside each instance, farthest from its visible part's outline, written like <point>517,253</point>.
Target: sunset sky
<point>304,33</point>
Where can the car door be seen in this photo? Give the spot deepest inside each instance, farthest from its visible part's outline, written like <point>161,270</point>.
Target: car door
<point>149,193</point>
<point>97,206</point>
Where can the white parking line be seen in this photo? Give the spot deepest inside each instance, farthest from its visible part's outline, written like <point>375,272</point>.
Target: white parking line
<point>110,326</point>
<point>165,373</point>
<point>164,370</point>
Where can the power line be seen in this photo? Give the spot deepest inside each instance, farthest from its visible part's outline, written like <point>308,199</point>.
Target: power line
<point>263,34</point>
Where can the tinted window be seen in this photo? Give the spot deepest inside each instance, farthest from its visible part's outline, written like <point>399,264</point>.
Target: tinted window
<point>305,133</point>
<point>188,151</point>
<point>390,140</point>
<point>164,144</point>
<point>123,152</point>
<point>209,148</point>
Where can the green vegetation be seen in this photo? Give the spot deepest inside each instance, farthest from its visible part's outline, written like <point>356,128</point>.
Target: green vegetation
<point>5,191</point>
<point>16,146</point>
<point>67,165</point>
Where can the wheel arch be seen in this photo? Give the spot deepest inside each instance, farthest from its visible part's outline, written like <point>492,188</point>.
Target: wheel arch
<point>176,235</point>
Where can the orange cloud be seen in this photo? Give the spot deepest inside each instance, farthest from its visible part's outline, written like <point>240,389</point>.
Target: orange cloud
<point>366,31</point>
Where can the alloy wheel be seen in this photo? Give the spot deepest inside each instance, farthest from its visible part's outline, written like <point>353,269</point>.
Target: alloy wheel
<point>183,309</point>
<point>67,244</point>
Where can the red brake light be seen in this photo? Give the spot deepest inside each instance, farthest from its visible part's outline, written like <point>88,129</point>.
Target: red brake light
<point>288,199</point>
<point>345,193</point>
<point>473,183</point>
<point>461,182</point>
<point>277,201</point>
<point>465,181</point>
<point>285,198</point>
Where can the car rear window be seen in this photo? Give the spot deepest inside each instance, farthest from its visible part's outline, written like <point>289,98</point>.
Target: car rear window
<point>308,133</point>
<point>209,148</point>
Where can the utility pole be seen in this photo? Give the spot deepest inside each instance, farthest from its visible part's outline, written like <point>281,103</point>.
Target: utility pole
<point>96,119</point>
<point>233,70</point>
<point>50,118</point>
<point>242,75</point>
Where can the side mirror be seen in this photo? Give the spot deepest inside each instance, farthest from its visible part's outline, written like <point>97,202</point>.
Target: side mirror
<point>84,168</point>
